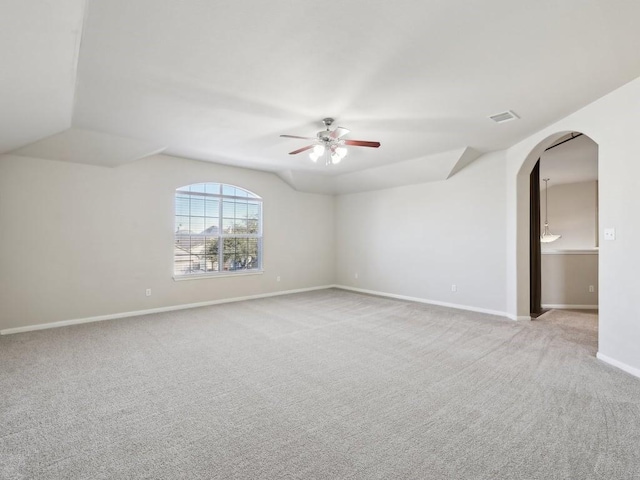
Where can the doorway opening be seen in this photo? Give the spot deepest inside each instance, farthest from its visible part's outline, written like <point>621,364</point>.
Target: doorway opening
<point>563,267</point>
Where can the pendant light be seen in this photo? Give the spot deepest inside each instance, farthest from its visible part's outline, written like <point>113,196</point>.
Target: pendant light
<point>547,237</point>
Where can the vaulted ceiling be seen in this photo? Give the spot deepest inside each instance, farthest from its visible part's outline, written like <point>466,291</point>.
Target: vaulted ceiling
<point>111,81</point>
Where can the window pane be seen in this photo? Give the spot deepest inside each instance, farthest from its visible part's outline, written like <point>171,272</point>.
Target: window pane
<point>241,210</point>
<point>229,253</point>
<point>211,255</point>
<point>240,227</point>
<point>252,253</point>
<point>198,187</point>
<point>253,210</point>
<point>212,188</point>
<point>241,192</point>
<point>227,225</point>
<point>253,226</point>
<point>182,224</point>
<point>211,207</point>
<point>228,209</point>
<point>211,226</point>
<point>197,246</point>
<point>182,205</point>
<point>181,264</point>
<point>197,225</point>
<point>195,265</point>
<point>197,206</point>
<point>183,246</point>
<point>228,190</point>
<point>240,254</point>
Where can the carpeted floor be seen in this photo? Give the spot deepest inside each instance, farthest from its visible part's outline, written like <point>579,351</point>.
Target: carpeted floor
<point>321,385</point>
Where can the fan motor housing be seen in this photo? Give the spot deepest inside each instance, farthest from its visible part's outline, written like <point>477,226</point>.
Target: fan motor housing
<point>323,136</point>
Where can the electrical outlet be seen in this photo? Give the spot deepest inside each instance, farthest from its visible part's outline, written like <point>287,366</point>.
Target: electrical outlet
<point>278,278</point>
<point>592,288</point>
<point>454,288</point>
<point>148,292</point>
<point>356,276</point>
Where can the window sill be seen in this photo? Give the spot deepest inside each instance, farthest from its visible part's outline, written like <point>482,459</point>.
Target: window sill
<point>217,275</point>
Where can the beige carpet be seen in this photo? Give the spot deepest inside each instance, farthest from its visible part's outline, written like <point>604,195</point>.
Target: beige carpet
<point>320,385</point>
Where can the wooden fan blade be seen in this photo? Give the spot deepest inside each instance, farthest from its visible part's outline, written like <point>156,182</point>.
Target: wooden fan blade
<point>300,150</point>
<point>339,132</point>
<point>362,143</point>
<point>296,136</point>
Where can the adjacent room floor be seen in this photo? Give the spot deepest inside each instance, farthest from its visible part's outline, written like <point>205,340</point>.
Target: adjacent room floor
<point>320,385</point>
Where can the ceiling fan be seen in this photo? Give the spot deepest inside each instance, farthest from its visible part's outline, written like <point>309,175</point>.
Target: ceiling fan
<point>330,141</point>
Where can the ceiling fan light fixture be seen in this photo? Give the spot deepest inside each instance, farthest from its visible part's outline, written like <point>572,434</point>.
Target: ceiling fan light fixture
<point>330,144</point>
<point>316,153</point>
<point>337,154</point>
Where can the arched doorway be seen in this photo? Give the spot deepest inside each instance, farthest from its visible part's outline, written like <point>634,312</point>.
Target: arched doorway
<point>563,266</point>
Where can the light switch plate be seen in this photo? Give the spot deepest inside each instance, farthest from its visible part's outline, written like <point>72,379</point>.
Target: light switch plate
<point>609,233</point>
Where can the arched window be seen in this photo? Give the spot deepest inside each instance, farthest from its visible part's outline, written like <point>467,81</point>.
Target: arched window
<point>218,230</point>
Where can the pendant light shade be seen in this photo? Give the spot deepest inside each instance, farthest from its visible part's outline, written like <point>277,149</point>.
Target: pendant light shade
<point>547,236</point>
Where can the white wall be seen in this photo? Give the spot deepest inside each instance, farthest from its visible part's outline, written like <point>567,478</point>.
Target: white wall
<point>418,240</point>
<point>612,122</point>
<point>566,278</point>
<point>568,269</point>
<point>81,241</point>
<point>572,214</point>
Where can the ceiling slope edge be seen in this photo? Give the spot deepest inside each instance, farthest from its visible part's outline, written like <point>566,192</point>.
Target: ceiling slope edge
<point>39,48</point>
<point>431,168</point>
<point>90,147</point>
<point>467,158</point>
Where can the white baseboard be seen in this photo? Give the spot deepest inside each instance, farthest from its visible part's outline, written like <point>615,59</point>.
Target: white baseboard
<point>519,318</point>
<point>77,321</point>
<point>622,366</point>
<point>571,307</point>
<point>423,300</point>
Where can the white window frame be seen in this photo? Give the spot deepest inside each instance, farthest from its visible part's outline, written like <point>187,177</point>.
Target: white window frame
<point>207,190</point>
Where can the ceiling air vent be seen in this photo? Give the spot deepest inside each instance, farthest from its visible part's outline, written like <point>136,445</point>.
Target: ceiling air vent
<point>504,117</point>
